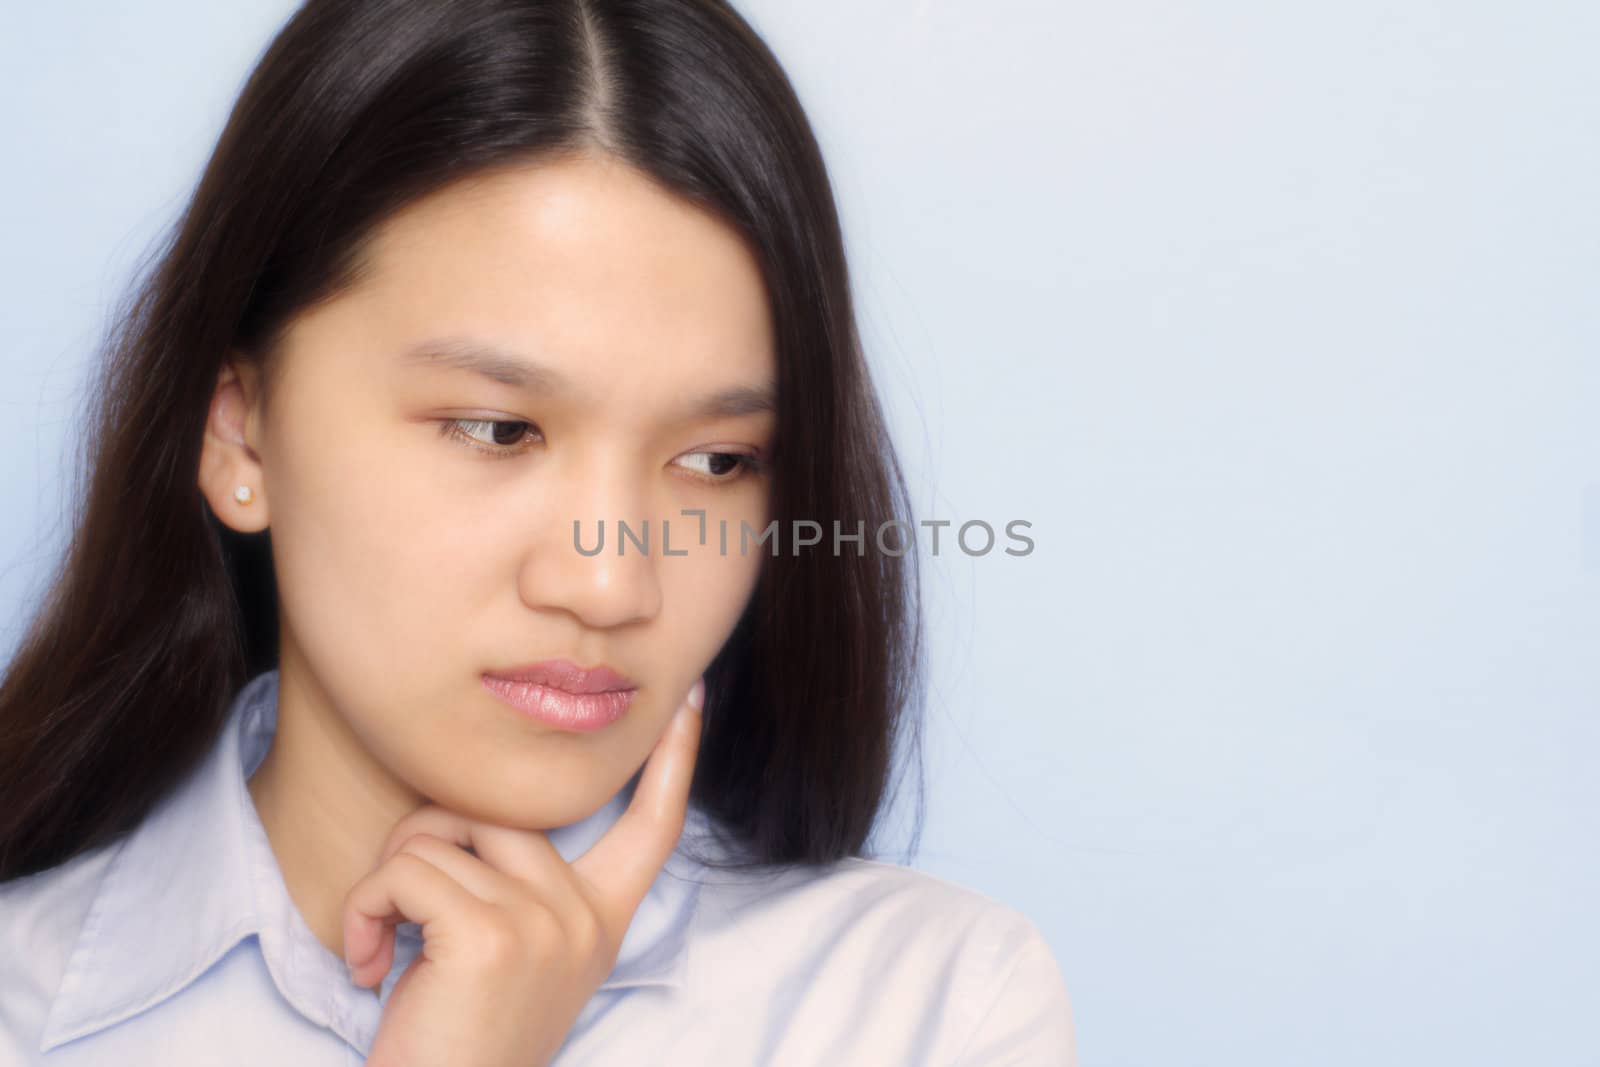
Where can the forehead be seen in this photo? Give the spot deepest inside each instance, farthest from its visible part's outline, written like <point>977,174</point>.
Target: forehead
<point>583,261</point>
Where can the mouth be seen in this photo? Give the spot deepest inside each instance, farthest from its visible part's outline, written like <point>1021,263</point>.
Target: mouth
<point>561,694</point>
<point>568,676</point>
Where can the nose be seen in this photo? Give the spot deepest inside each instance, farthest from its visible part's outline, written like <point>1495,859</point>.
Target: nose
<point>600,589</point>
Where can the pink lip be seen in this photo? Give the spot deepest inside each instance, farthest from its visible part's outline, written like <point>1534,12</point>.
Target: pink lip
<point>564,695</point>
<point>564,674</point>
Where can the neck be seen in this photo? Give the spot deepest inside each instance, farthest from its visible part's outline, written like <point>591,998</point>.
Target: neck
<point>327,807</point>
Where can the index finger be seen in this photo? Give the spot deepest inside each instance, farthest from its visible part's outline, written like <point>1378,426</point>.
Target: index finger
<point>620,867</point>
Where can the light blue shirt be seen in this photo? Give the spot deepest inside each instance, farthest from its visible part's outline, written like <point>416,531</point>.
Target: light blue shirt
<point>180,945</point>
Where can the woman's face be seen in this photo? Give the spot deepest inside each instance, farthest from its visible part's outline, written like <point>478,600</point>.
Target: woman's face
<point>421,513</point>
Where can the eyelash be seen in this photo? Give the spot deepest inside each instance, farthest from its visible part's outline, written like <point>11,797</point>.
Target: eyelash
<point>749,465</point>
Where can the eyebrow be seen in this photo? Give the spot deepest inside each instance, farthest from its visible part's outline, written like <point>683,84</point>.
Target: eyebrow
<point>520,372</point>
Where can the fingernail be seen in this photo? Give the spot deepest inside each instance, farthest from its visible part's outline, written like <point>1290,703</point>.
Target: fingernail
<point>352,932</point>
<point>697,694</point>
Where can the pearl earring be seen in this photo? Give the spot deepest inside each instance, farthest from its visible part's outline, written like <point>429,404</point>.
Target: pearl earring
<point>243,494</point>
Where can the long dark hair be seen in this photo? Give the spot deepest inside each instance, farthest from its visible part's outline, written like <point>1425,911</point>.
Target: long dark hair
<point>158,612</point>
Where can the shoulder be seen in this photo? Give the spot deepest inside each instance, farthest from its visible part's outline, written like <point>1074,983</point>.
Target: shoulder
<point>864,897</point>
<point>970,974</point>
<point>41,916</point>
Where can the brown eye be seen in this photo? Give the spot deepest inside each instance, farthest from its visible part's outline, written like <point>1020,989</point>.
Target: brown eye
<point>723,466</point>
<point>495,437</point>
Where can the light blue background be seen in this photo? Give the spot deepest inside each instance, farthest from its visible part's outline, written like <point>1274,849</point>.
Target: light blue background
<point>1279,324</point>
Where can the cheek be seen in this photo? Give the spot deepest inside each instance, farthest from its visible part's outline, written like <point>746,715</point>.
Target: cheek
<point>366,561</point>
<point>704,595</point>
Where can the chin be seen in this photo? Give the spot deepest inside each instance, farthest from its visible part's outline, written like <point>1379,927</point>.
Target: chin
<point>547,812</point>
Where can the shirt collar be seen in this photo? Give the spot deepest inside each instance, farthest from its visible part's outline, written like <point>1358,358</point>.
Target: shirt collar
<point>198,875</point>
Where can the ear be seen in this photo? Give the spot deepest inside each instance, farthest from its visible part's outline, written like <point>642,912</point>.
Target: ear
<point>228,456</point>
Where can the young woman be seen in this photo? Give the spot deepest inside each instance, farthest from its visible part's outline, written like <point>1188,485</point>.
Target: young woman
<point>434,676</point>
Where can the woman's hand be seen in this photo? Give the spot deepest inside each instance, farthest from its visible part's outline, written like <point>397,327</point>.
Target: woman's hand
<point>515,940</point>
